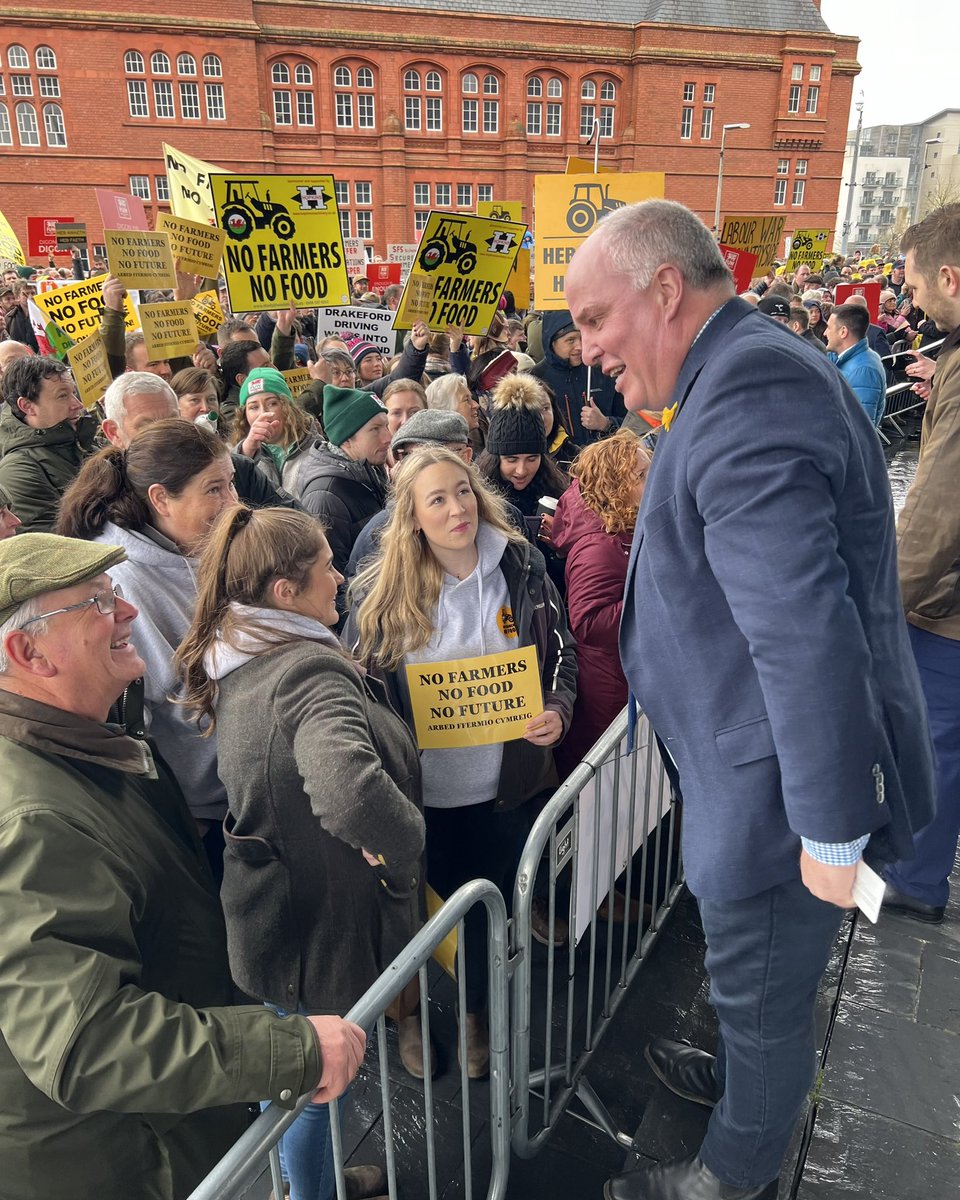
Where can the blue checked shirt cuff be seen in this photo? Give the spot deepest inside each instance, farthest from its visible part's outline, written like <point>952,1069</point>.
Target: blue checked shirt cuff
<point>836,854</point>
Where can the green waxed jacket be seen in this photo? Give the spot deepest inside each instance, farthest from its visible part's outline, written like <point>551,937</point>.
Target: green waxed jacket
<point>37,466</point>
<point>121,1063</point>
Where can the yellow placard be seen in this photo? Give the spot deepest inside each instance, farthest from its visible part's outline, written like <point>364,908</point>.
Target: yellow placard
<point>808,246</point>
<point>209,314</point>
<point>140,259</point>
<point>501,210</point>
<point>10,248</point>
<point>762,236</point>
<point>298,378</point>
<point>197,247</point>
<point>169,329</point>
<point>475,701</point>
<point>188,179</point>
<point>91,371</point>
<point>519,281</point>
<point>283,241</point>
<point>568,208</point>
<point>76,307</point>
<point>460,271</point>
<point>584,166</point>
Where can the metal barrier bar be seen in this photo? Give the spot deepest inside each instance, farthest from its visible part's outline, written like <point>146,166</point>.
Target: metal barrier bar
<point>244,1162</point>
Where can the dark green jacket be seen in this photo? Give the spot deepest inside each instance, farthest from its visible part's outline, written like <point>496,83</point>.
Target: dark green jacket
<point>118,1051</point>
<point>37,466</point>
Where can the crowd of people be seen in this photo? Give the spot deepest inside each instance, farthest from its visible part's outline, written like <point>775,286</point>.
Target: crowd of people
<point>217,825</point>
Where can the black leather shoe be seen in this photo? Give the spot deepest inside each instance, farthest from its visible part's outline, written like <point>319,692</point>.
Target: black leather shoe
<point>906,906</point>
<point>686,1071</point>
<point>687,1179</point>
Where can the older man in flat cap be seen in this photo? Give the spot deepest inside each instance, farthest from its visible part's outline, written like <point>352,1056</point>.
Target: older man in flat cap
<point>122,1066</point>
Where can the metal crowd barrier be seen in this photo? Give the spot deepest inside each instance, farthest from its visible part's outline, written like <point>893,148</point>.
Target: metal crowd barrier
<point>611,828</point>
<point>901,398</point>
<point>245,1162</point>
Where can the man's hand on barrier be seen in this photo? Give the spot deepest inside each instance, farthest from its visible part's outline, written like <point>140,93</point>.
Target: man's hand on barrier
<point>545,729</point>
<point>834,885</point>
<point>923,368</point>
<point>342,1046</point>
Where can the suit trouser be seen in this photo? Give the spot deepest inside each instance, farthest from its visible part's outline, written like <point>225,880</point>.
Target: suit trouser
<point>765,957</point>
<point>925,877</point>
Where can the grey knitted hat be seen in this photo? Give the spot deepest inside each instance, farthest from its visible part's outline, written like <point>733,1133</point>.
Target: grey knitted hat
<point>437,425</point>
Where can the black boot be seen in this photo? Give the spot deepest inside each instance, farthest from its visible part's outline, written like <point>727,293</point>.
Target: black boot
<point>688,1072</point>
<point>687,1179</point>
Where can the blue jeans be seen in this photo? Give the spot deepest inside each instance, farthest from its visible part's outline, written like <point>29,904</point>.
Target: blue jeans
<point>765,957</point>
<point>925,876</point>
<point>306,1149</point>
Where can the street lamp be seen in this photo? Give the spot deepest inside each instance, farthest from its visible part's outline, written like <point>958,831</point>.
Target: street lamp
<point>723,135</point>
<point>934,141</point>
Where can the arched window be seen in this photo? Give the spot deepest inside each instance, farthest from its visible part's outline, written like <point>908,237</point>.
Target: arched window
<point>45,59</point>
<point>491,85</point>
<point>588,90</point>
<point>18,58</point>
<point>534,86</point>
<point>342,77</point>
<point>54,126</point>
<point>470,84</point>
<point>412,107</point>
<point>6,135</point>
<point>608,91</point>
<point>27,129</point>
<point>364,78</point>
<point>555,89</point>
<point>280,73</point>
<point>212,66</point>
<point>159,63</point>
<point>542,118</point>
<point>186,64</point>
<point>411,81</point>
<point>433,81</point>
<point>303,75</point>
<point>133,62</point>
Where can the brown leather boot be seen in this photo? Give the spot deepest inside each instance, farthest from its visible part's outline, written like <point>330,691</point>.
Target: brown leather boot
<point>410,1035</point>
<point>478,1046</point>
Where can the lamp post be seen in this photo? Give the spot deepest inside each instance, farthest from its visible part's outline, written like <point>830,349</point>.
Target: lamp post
<point>723,135</point>
<point>852,182</point>
<point>934,141</point>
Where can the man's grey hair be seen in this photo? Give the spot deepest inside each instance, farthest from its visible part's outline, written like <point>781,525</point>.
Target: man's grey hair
<point>136,383</point>
<point>644,236</point>
<point>30,608</point>
<point>446,391</point>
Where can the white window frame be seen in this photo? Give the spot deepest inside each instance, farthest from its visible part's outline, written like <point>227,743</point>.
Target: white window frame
<point>142,100</point>
<point>365,224</point>
<point>443,194</point>
<point>133,62</point>
<point>421,195</point>
<point>813,99</point>
<point>212,66</point>
<point>491,116</point>
<point>303,75</point>
<point>706,125</point>
<point>140,186</point>
<point>534,87</point>
<point>412,114</point>
<point>164,88</point>
<point>689,93</point>
<point>159,63</point>
<point>469,116</point>
<point>186,64</point>
<point>282,107</point>
<point>686,123</point>
<point>433,117</point>
<point>793,98</point>
<point>49,86</point>
<point>215,103</point>
<point>18,59</point>
<point>799,190</point>
<point>344,104</point>
<point>306,109</point>
<point>464,195</point>
<point>189,101</point>
<point>6,133</point>
<point>363,192</point>
<point>554,122</point>
<point>709,93</point>
<point>779,193</point>
<point>45,59</point>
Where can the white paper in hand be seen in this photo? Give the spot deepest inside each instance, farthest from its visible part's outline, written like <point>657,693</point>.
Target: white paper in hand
<point>868,889</point>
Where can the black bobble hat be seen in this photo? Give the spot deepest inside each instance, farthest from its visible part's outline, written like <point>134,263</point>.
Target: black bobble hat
<point>516,430</point>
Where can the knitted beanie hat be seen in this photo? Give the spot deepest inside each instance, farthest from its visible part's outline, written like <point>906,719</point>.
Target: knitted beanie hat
<point>345,410</point>
<point>360,348</point>
<point>516,426</point>
<point>264,379</point>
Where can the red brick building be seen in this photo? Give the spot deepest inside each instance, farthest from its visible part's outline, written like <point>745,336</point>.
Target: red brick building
<point>414,104</point>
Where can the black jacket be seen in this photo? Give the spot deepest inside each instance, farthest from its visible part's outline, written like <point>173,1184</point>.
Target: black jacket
<point>19,329</point>
<point>569,384</point>
<point>255,489</point>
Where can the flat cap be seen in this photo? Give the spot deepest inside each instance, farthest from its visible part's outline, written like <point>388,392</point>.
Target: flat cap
<point>436,425</point>
<point>34,563</point>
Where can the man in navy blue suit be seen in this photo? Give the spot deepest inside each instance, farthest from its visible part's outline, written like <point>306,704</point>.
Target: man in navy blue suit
<point>763,634</point>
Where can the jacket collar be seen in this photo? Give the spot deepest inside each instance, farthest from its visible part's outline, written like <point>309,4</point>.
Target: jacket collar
<point>856,349</point>
<point>715,332</point>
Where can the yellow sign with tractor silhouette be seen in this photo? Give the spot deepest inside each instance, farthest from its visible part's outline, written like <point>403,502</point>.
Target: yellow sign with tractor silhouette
<point>461,267</point>
<point>569,208</point>
<point>282,243</point>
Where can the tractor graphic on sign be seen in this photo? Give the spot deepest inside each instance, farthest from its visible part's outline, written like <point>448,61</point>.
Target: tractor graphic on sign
<point>498,213</point>
<point>244,211</point>
<point>591,202</point>
<point>449,244</point>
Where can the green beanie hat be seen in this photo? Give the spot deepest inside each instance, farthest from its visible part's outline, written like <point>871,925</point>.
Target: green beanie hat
<point>34,563</point>
<point>265,379</point>
<point>345,410</point>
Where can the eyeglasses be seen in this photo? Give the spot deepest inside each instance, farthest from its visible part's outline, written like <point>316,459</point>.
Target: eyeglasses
<point>106,603</point>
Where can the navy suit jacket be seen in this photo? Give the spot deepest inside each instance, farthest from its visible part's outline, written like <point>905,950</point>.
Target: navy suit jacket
<point>762,629</point>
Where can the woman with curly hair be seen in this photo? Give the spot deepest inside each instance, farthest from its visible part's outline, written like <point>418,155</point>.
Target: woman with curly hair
<point>594,529</point>
<point>272,429</point>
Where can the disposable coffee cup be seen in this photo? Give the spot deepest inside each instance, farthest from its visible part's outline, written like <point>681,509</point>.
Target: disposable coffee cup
<point>547,506</point>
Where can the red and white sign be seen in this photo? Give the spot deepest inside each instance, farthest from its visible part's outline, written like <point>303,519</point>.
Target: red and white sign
<point>42,236</point>
<point>381,275</point>
<point>742,264</point>
<point>120,211</point>
<point>869,291</point>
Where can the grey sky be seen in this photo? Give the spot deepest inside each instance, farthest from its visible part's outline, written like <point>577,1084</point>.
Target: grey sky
<point>908,56</point>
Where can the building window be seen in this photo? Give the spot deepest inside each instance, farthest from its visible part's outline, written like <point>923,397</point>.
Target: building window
<point>363,193</point>
<point>186,65</point>
<point>783,166</point>
<point>588,116</point>
<point>433,82</point>
<point>27,129</point>
<point>365,225</point>
<point>797,72</point>
<point>443,195</point>
<point>867,198</point>
<point>606,120</point>
<point>709,93</point>
<point>799,186</point>
<point>470,84</point>
<point>554,119</point>
<point>888,198</point>
<point>686,123</point>
<point>305,109</point>
<point>212,67</point>
<point>137,98</point>
<point>588,90</point>
<point>886,216</point>
<point>133,62</point>
<point>534,119</point>
<point>485,193</point>
<point>491,116</point>
<point>6,134</point>
<point>555,89</point>
<point>434,114</point>
<point>159,63</point>
<point>780,192</point>
<point>140,186</point>
<point>411,81</point>
<point>815,74</point>
<point>689,93</point>
<point>411,112</point>
<point>534,87</point>
<point>364,78</point>
<point>420,221</point>
<point>162,184</point>
<point>801,167</point>
<point>889,179</point>
<point>216,109</point>
<point>1,86</point>
<point>793,100</point>
<point>49,85</point>
<point>18,59</point>
<point>464,195</point>
<point>53,125</point>
<point>864,216</point>
<point>491,85</point>
<point>813,99</point>
<point>282,114</point>
<point>341,189</point>
<point>303,75</point>
<point>345,223</point>
<point>344,110</point>
<point>365,118</point>
<point>421,195</point>
<point>342,77</point>
<point>189,102</point>
<point>163,99</point>
<point>280,73</point>
<point>22,85</point>
<point>469,116</point>
<point>706,125</point>
<point>45,59</point>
